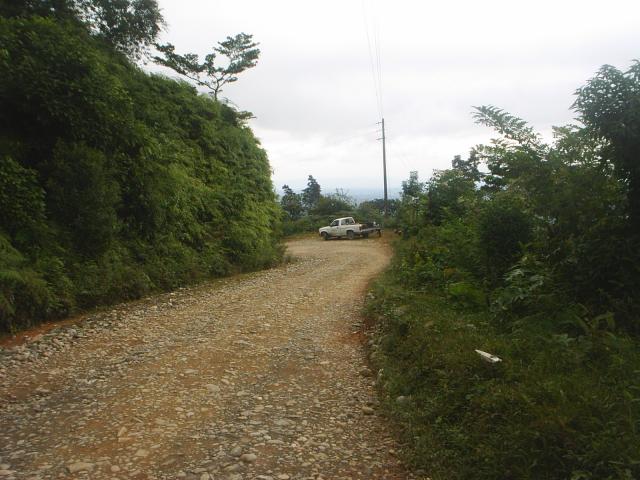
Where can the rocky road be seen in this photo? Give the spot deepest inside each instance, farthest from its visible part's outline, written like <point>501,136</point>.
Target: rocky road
<point>260,376</point>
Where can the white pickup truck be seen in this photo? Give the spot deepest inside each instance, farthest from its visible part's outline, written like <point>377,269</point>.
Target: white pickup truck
<point>347,227</point>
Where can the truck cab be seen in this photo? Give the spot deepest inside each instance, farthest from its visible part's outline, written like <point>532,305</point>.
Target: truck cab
<point>338,228</point>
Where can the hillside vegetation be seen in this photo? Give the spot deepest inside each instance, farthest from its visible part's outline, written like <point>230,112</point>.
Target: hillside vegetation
<point>114,182</point>
<point>530,252</point>
<point>310,209</point>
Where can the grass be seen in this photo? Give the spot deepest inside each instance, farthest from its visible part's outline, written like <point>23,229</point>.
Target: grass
<point>556,407</point>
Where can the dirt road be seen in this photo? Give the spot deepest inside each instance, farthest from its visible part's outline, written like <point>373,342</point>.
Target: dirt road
<point>260,376</point>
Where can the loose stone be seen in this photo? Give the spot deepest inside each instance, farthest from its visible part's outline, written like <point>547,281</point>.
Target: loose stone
<point>248,457</point>
<point>80,467</point>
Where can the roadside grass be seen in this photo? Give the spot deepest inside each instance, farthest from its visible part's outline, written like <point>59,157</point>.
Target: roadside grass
<point>556,406</point>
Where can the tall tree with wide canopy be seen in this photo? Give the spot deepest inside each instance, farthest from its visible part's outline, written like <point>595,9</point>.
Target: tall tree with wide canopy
<point>240,51</point>
<point>130,26</point>
<point>311,194</point>
<point>291,203</point>
<point>609,105</point>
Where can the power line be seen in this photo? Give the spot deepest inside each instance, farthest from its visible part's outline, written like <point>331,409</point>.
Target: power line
<point>376,40</point>
<point>373,53</point>
<point>337,140</point>
<point>376,73</point>
<point>403,158</point>
<point>384,167</point>
<point>330,142</point>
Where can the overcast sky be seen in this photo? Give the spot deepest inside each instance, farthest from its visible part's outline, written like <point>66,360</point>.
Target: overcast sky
<point>313,91</point>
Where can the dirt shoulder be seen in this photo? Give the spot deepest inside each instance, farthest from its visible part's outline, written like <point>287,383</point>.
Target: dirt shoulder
<point>260,376</point>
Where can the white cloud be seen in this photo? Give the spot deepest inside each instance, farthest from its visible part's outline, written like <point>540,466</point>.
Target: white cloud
<point>313,91</point>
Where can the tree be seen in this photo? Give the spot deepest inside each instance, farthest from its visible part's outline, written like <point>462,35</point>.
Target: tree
<point>338,202</point>
<point>517,156</point>
<point>291,203</point>
<point>241,54</point>
<point>113,182</point>
<point>343,196</point>
<point>311,194</point>
<point>412,202</point>
<point>504,228</point>
<point>450,192</point>
<point>375,208</point>
<point>129,26</point>
<point>469,167</point>
<point>609,105</point>
<point>412,188</point>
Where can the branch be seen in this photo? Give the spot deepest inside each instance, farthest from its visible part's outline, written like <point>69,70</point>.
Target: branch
<point>240,51</point>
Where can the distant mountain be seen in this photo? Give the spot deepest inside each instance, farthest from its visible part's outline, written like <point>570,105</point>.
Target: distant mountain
<point>363,194</point>
<point>360,194</point>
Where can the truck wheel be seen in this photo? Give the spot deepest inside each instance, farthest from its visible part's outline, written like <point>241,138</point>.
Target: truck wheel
<point>379,233</point>
<point>365,235</point>
<point>350,235</point>
<point>324,235</point>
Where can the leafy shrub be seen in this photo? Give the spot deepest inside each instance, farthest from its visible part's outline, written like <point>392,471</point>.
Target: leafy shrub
<point>558,406</point>
<point>310,223</point>
<point>503,229</point>
<point>21,200</point>
<point>467,295</point>
<point>548,234</point>
<point>115,183</point>
<point>24,294</point>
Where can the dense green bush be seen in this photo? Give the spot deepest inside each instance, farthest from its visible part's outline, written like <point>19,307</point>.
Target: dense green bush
<point>114,182</point>
<point>558,406</point>
<point>311,223</point>
<point>504,228</point>
<point>328,209</point>
<point>534,260</point>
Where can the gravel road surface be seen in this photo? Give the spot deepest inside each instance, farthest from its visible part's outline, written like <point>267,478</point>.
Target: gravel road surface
<point>259,376</point>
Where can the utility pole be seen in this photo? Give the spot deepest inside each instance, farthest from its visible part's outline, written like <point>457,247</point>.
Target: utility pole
<point>384,167</point>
